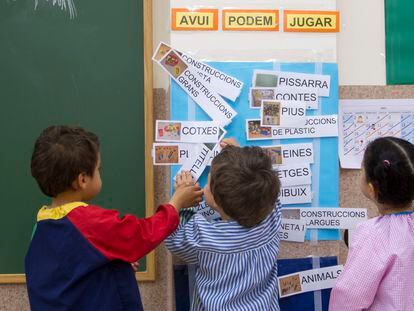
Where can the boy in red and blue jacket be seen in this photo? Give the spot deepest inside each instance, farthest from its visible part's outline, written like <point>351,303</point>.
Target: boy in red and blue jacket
<point>80,254</point>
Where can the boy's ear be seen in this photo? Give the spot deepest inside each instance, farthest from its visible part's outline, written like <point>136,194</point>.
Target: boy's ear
<point>80,182</point>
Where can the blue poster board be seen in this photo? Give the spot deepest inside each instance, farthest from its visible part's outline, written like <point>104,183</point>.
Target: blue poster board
<point>305,301</point>
<point>325,170</point>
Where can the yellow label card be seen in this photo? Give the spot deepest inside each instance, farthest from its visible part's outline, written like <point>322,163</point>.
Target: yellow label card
<point>197,19</point>
<point>311,21</point>
<point>251,20</point>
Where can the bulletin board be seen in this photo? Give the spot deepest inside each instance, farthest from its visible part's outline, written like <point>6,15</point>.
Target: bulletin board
<point>325,171</point>
<point>94,71</point>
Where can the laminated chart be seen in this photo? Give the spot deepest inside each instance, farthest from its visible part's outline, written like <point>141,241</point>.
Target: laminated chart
<point>362,121</point>
<point>314,144</point>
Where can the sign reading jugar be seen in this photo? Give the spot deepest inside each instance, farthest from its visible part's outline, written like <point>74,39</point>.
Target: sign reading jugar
<point>311,21</point>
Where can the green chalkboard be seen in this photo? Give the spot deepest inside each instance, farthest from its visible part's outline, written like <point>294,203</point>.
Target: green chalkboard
<point>86,71</point>
<point>399,41</point>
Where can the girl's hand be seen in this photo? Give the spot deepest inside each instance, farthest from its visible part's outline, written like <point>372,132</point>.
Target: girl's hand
<point>229,142</point>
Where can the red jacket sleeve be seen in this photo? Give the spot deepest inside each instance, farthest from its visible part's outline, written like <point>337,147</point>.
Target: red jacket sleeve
<point>127,238</point>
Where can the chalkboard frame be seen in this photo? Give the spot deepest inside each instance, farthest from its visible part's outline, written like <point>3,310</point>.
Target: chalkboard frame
<point>149,273</point>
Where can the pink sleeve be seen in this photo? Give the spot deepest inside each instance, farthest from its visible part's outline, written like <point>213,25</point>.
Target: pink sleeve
<point>357,286</point>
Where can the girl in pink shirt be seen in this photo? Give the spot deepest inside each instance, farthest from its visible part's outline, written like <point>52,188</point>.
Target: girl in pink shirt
<point>379,271</point>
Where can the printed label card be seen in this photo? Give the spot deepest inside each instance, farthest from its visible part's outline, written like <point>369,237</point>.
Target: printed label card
<point>257,94</point>
<point>187,131</point>
<point>315,126</point>
<point>265,78</point>
<point>171,153</point>
<point>307,95</point>
<point>308,280</point>
<point>282,113</point>
<point>290,153</point>
<point>293,175</point>
<point>194,85</point>
<point>332,218</point>
<point>222,83</point>
<point>194,19</point>
<point>311,21</point>
<point>296,195</point>
<point>255,131</point>
<point>216,151</point>
<point>219,81</point>
<point>161,51</point>
<point>270,78</point>
<point>292,230</point>
<point>198,162</point>
<point>207,212</point>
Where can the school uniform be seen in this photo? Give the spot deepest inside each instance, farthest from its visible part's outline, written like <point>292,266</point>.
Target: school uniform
<point>79,257</point>
<point>378,274</point>
<point>236,266</point>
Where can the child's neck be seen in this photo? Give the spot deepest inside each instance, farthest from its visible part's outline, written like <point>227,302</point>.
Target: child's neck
<point>223,215</point>
<point>65,198</point>
<point>385,209</point>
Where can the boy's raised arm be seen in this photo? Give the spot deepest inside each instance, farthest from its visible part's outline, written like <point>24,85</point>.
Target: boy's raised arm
<point>126,238</point>
<point>129,238</point>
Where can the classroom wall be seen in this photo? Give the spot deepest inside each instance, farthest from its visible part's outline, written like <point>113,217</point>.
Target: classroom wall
<point>159,295</point>
<point>360,45</point>
<point>361,42</point>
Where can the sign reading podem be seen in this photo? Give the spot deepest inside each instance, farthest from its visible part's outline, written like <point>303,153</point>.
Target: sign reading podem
<point>251,20</point>
<point>194,19</point>
<point>311,21</point>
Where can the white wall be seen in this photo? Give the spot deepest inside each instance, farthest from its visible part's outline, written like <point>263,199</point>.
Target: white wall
<point>359,48</point>
<point>361,42</point>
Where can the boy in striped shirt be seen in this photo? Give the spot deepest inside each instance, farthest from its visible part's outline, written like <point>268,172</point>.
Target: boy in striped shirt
<point>236,256</point>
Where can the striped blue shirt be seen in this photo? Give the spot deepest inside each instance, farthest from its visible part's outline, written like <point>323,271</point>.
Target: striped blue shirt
<point>236,266</point>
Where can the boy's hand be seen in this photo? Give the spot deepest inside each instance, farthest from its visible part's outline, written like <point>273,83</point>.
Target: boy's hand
<point>135,266</point>
<point>183,179</point>
<point>229,142</point>
<point>186,196</point>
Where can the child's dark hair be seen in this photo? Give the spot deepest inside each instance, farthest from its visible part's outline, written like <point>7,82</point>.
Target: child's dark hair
<point>389,167</point>
<point>244,184</point>
<point>60,154</point>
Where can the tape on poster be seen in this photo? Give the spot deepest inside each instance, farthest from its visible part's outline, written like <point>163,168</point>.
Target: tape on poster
<point>308,280</point>
<point>222,83</point>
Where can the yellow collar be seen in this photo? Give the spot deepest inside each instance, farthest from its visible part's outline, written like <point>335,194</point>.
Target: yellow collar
<point>57,212</point>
